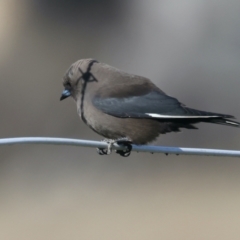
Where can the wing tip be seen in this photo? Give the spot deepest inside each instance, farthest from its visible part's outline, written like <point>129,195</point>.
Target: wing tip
<point>226,121</point>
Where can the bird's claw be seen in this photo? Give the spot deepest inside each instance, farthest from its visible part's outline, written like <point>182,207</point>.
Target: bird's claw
<point>122,141</point>
<point>126,143</point>
<point>102,151</point>
<point>125,153</point>
<point>108,150</point>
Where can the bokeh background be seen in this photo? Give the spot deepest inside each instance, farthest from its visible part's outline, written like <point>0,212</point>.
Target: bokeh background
<point>191,49</point>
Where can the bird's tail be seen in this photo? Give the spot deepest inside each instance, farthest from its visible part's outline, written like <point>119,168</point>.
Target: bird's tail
<point>216,118</point>
<point>225,121</point>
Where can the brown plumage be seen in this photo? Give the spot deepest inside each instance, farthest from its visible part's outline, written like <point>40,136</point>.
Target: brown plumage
<point>117,105</point>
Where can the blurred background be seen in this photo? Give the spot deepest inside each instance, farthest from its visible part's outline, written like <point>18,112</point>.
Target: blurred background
<point>190,49</point>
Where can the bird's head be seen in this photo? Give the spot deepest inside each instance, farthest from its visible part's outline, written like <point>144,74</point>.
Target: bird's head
<point>75,77</point>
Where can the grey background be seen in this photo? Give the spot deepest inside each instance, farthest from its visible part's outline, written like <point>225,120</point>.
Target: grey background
<point>190,49</point>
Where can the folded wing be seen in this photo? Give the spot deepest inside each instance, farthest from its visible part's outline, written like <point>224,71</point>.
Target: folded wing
<point>158,106</point>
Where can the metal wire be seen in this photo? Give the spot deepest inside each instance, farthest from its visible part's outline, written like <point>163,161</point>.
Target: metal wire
<point>136,148</point>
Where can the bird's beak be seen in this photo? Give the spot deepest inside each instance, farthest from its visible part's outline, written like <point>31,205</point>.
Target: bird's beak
<point>66,93</point>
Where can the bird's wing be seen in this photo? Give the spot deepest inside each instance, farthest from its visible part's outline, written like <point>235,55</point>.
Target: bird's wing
<point>151,104</point>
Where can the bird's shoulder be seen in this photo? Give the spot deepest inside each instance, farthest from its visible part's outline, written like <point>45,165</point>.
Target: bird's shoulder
<point>126,85</point>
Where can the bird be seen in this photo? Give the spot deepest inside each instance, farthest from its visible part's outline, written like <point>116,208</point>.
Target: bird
<point>126,108</point>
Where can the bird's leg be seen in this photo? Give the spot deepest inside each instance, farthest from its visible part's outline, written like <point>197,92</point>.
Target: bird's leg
<point>103,151</point>
<point>126,143</point>
<point>120,141</point>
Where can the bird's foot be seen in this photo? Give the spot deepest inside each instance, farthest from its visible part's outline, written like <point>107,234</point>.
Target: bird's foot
<point>120,141</point>
<point>108,150</point>
<point>126,143</point>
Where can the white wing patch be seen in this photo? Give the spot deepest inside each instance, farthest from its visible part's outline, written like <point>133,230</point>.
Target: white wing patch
<point>155,115</point>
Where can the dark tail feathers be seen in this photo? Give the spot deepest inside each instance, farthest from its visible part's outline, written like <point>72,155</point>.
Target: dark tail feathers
<point>225,121</point>
<point>216,118</point>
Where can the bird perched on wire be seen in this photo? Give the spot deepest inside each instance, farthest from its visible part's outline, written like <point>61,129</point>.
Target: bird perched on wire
<point>126,108</point>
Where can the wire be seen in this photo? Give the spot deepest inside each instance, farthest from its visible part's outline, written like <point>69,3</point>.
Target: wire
<point>136,148</point>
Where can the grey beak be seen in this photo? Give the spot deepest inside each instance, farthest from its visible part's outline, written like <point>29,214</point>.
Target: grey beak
<point>66,93</point>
